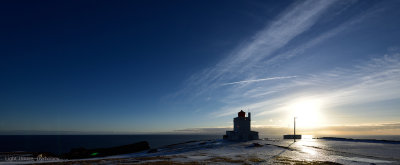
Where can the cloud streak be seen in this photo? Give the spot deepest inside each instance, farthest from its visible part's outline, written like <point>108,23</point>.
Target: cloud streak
<point>374,80</point>
<point>239,79</point>
<point>258,80</point>
<point>297,19</point>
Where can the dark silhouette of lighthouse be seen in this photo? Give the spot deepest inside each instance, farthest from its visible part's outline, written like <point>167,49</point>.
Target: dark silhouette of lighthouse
<point>241,129</point>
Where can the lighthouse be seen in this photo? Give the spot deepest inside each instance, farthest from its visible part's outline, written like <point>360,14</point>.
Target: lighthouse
<point>241,129</point>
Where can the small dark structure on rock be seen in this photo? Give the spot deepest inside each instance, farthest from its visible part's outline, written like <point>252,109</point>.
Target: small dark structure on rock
<point>294,136</point>
<point>291,136</point>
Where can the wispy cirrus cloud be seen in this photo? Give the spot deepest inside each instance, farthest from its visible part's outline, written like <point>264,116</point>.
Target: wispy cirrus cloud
<point>374,80</point>
<point>258,80</point>
<point>239,79</point>
<point>297,19</point>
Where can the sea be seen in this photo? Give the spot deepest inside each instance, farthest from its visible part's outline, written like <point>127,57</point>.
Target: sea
<point>59,144</point>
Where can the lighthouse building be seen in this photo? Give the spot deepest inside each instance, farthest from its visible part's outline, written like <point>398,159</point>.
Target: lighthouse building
<point>241,129</point>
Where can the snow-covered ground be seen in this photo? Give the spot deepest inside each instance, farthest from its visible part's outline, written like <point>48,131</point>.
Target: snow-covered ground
<point>306,151</point>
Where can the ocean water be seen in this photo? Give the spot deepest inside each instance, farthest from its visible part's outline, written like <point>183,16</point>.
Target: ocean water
<point>64,143</point>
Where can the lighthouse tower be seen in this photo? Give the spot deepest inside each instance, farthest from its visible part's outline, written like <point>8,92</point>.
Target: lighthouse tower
<point>241,129</point>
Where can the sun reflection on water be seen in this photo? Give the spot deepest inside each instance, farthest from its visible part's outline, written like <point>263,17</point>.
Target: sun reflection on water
<point>308,150</point>
<point>308,145</point>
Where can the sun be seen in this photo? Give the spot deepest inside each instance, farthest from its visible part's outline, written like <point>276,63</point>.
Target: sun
<point>308,112</point>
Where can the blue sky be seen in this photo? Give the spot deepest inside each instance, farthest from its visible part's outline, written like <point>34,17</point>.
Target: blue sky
<point>163,66</point>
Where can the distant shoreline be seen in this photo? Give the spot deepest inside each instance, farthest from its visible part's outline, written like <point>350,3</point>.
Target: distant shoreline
<point>360,140</point>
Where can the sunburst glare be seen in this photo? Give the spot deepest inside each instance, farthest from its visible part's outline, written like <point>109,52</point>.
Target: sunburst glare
<point>308,112</point>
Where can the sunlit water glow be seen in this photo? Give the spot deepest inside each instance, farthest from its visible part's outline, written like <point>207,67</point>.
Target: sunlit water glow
<point>309,150</point>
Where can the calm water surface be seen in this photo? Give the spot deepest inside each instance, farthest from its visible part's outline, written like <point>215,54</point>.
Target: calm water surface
<point>63,143</point>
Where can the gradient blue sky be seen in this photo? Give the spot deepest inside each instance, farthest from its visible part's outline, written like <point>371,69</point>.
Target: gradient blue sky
<point>171,66</point>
